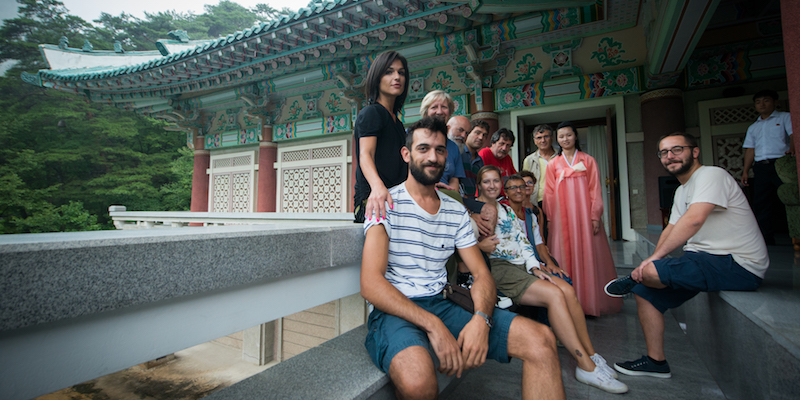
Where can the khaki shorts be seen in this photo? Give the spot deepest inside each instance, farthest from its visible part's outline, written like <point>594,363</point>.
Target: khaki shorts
<point>512,280</point>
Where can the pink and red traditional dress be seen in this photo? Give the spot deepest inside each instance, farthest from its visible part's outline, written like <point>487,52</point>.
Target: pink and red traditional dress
<point>572,199</point>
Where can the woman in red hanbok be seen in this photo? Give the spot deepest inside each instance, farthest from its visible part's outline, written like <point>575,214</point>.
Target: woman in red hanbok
<point>573,204</point>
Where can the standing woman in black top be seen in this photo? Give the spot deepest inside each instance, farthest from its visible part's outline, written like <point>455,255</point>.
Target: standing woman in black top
<point>380,135</point>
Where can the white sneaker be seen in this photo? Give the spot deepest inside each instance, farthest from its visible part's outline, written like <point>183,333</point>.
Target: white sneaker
<point>601,362</point>
<point>601,380</point>
<point>504,302</point>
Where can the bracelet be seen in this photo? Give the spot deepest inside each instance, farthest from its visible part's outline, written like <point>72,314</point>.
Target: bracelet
<point>488,319</point>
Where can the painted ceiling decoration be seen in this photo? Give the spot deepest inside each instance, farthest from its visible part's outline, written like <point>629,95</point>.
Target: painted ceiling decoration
<point>311,64</point>
<point>329,40</point>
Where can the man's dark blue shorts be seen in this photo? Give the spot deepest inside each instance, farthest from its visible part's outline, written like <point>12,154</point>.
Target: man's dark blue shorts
<point>389,335</point>
<point>692,273</point>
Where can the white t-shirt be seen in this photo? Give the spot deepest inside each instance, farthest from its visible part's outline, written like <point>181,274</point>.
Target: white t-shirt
<point>731,227</point>
<point>420,243</point>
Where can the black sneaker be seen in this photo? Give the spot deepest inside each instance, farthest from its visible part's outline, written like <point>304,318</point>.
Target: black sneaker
<point>620,287</point>
<point>644,367</point>
<point>464,279</point>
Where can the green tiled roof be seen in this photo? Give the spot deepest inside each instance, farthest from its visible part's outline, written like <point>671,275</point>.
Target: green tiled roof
<point>313,9</point>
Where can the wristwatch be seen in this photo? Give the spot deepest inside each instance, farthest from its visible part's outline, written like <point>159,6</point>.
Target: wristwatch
<point>489,320</point>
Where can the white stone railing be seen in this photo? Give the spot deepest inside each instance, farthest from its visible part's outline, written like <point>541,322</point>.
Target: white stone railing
<point>176,219</point>
<point>77,306</point>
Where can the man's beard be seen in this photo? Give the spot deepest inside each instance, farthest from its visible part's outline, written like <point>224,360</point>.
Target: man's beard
<point>420,176</point>
<point>460,146</point>
<point>685,167</point>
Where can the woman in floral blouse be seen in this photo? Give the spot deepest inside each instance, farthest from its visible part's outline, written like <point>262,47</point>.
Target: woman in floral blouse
<point>519,275</point>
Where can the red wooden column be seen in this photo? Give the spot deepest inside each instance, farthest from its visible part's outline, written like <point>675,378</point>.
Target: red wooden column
<point>791,54</point>
<point>662,114</point>
<point>267,176</point>
<point>202,159</point>
<point>485,112</point>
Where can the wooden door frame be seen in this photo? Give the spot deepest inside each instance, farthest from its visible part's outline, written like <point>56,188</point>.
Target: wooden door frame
<point>616,103</point>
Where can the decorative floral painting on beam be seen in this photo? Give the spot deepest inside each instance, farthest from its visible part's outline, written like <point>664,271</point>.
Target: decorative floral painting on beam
<point>526,69</point>
<point>610,83</point>
<point>609,53</point>
<point>443,81</point>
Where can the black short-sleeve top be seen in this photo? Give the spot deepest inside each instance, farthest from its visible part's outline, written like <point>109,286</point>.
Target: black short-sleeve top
<point>375,120</point>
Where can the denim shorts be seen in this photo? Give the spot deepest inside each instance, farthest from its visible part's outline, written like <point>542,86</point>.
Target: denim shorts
<point>389,335</point>
<point>692,273</point>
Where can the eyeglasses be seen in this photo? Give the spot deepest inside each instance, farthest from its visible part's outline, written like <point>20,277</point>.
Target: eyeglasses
<point>510,188</point>
<point>529,183</point>
<point>677,150</point>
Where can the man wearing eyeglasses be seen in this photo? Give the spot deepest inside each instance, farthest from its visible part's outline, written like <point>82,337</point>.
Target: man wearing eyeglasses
<point>724,249</point>
<point>767,140</point>
<point>536,163</point>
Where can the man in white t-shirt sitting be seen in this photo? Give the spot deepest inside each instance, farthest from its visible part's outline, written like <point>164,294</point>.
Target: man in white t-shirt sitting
<point>403,274</point>
<point>724,249</point>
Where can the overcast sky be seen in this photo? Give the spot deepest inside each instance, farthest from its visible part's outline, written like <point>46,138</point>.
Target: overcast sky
<point>91,9</point>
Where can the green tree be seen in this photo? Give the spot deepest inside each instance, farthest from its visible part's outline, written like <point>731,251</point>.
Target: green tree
<point>265,12</point>
<point>64,160</point>
<point>225,18</point>
<point>39,21</point>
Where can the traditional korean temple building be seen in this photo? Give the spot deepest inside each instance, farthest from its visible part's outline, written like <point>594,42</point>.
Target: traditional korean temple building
<point>269,110</point>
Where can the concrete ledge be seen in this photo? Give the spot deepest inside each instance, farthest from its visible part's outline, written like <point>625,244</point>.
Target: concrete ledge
<point>339,369</point>
<point>54,276</point>
<point>748,358</point>
<point>749,341</point>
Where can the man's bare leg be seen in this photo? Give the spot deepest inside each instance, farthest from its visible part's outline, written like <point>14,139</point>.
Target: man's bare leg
<point>652,322</point>
<point>535,345</point>
<point>413,374</point>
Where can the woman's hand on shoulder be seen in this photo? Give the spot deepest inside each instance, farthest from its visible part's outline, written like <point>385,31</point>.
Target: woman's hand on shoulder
<point>377,203</point>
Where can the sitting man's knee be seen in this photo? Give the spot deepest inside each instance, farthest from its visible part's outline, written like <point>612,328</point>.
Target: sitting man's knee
<point>413,375</point>
<point>650,273</point>
<point>538,340</point>
<point>422,390</point>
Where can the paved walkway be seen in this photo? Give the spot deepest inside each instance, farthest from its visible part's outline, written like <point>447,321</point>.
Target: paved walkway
<point>618,338</point>
<point>203,369</point>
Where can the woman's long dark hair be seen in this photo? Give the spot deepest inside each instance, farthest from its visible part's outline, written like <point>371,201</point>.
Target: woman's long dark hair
<point>567,124</point>
<point>376,71</point>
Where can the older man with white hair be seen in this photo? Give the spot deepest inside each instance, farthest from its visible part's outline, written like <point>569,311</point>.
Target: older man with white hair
<point>457,129</point>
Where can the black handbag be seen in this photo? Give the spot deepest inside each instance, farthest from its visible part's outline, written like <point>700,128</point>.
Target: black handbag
<point>459,295</point>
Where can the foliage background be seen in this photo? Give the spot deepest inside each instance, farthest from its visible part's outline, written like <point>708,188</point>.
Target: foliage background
<point>64,160</point>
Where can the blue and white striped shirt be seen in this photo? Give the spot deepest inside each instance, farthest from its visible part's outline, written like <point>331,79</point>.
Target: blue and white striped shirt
<point>420,243</point>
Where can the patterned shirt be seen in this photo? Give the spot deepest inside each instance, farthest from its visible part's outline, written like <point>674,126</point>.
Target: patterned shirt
<point>514,246</point>
<point>420,243</point>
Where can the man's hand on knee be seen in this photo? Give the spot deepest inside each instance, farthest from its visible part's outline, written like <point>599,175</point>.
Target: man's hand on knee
<point>638,273</point>
<point>474,342</point>
<point>447,350</point>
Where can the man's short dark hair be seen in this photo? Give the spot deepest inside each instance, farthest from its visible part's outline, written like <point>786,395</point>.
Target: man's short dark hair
<point>542,128</point>
<point>690,140</point>
<point>503,133</point>
<point>429,123</point>
<point>479,122</point>
<point>765,93</point>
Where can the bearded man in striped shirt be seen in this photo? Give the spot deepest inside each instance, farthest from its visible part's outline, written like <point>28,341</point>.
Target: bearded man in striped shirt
<point>403,274</point>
